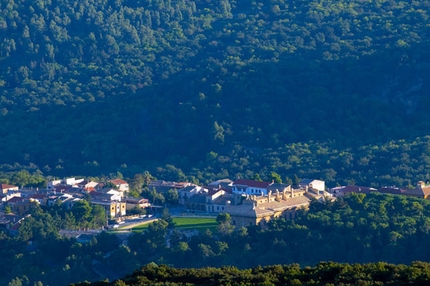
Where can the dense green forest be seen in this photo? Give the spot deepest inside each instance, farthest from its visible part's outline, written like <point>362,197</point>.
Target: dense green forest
<point>326,273</point>
<point>217,88</point>
<point>355,229</point>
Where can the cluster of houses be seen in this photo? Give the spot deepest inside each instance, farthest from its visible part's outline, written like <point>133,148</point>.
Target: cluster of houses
<point>15,203</point>
<point>248,202</point>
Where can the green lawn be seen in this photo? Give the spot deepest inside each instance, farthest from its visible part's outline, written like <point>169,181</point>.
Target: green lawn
<point>198,223</point>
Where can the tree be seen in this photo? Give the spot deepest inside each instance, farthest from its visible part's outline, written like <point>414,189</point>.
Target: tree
<point>224,224</point>
<point>257,177</point>
<point>69,220</point>
<point>288,181</point>
<point>134,194</point>
<point>156,234</point>
<point>182,247</point>
<point>296,180</point>
<point>275,177</point>
<point>136,210</point>
<point>110,185</point>
<point>205,251</point>
<point>19,281</point>
<point>81,211</point>
<point>25,232</point>
<point>223,218</point>
<point>167,217</point>
<point>22,178</point>
<point>137,182</point>
<point>98,216</point>
<point>172,196</point>
<point>155,197</point>
<point>218,132</point>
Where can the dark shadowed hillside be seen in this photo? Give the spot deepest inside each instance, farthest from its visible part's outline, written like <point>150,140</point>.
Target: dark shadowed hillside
<point>94,87</point>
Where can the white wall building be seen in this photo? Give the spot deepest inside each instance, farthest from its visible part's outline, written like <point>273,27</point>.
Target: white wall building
<point>250,187</point>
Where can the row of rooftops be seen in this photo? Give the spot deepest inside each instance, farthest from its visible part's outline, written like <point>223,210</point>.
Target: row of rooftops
<point>422,190</point>
<point>278,197</point>
<point>227,184</point>
<point>97,191</point>
<point>67,190</point>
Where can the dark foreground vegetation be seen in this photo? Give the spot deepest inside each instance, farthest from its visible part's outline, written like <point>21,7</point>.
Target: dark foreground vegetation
<point>325,273</point>
<point>356,229</point>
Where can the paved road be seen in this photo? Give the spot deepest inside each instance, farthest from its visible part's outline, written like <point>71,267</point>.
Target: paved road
<point>75,233</point>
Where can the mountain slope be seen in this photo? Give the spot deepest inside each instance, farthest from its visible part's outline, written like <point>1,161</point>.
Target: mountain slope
<point>91,86</point>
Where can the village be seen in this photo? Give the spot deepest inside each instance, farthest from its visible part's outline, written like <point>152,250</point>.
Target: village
<point>248,202</point>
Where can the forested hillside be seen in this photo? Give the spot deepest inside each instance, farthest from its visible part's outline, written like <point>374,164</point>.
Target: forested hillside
<point>91,87</point>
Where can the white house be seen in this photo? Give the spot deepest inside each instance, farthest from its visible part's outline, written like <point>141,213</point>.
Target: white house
<point>65,182</point>
<point>115,195</point>
<point>250,187</point>
<point>121,185</point>
<point>72,181</point>
<point>312,184</point>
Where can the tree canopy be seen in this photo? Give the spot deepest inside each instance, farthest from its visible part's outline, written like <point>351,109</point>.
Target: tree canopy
<point>132,85</point>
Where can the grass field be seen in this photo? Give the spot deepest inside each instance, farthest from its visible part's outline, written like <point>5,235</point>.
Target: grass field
<point>199,223</point>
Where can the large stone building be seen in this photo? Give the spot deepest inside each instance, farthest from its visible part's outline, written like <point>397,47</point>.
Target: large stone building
<point>213,201</point>
<point>259,210</point>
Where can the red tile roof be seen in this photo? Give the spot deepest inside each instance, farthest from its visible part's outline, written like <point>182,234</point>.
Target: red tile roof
<point>6,186</point>
<point>251,183</point>
<point>118,182</point>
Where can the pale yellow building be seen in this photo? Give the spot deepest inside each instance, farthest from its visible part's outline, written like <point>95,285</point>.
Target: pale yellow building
<point>258,210</point>
<point>113,209</point>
